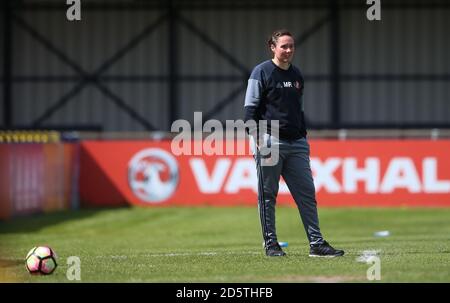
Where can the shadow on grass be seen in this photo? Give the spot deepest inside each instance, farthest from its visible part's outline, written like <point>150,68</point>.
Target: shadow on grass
<point>38,221</point>
<point>10,263</point>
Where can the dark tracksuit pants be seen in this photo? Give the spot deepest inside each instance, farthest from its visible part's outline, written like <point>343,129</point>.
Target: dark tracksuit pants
<point>294,165</point>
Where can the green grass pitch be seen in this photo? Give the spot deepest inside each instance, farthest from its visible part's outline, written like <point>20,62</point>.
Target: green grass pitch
<point>209,244</point>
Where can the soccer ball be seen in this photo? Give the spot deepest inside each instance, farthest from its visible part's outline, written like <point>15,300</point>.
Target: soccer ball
<point>41,260</point>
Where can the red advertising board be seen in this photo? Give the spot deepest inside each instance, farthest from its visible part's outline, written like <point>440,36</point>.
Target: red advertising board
<point>346,173</point>
<point>36,178</point>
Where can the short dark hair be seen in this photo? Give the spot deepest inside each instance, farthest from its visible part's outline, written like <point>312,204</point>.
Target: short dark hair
<point>273,38</point>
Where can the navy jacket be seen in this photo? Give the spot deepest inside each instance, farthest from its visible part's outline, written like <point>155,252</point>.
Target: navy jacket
<point>277,94</point>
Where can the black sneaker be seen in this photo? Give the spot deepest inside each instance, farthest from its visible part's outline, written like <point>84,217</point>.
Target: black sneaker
<point>325,250</point>
<point>275,251</point>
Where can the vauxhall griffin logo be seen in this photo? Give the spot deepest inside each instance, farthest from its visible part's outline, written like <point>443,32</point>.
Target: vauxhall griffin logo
<point>153,175</point>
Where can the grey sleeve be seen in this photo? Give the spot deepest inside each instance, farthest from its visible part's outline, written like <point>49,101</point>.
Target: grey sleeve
<point>253,93</point>
<point>252,102</point>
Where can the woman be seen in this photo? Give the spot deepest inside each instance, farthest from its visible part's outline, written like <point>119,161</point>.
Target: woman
<point>275,95</point>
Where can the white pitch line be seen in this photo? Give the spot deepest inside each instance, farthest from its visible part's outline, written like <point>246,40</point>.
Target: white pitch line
<point>365,255</point>
<point>211,253</point>
<point>201,254</point>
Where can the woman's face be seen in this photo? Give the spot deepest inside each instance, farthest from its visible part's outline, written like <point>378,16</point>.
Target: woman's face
<point>284,49</point>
